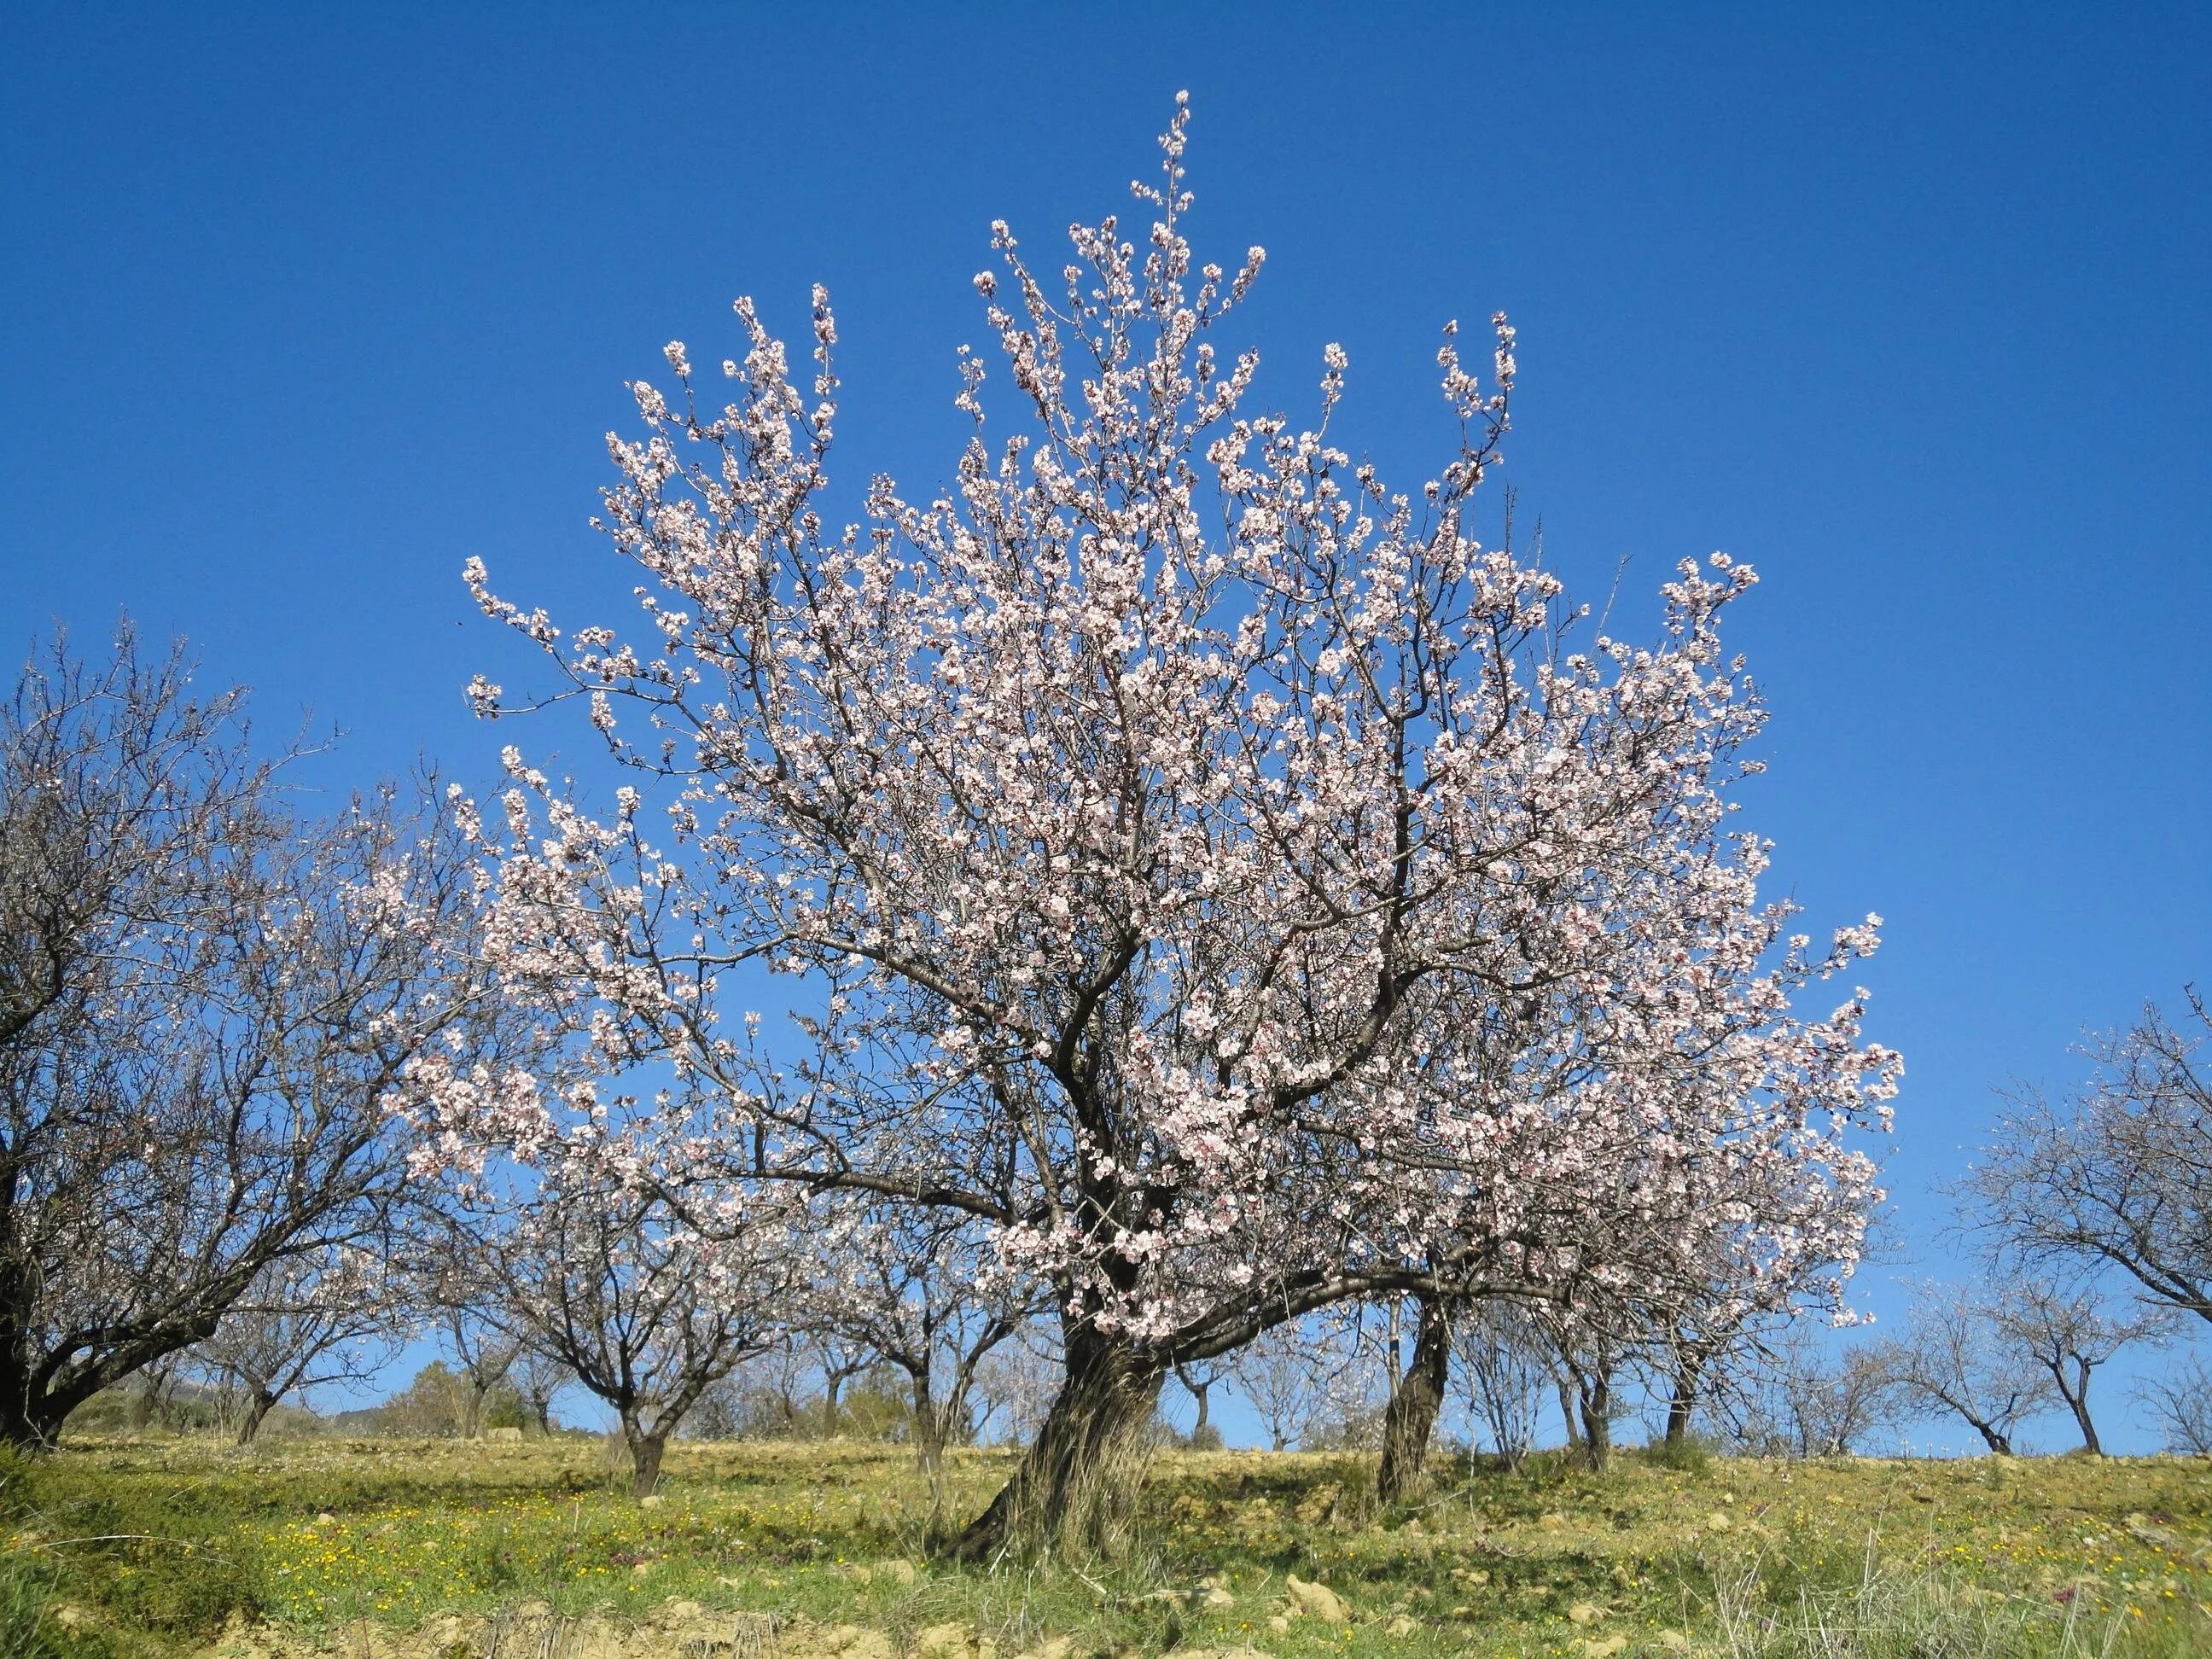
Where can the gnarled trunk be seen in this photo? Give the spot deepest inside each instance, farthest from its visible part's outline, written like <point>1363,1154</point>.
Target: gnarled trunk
<point>1072,1492</point>
<point>646,1447</point>
<point>1409,1422</point>
<point>1597,1421</point>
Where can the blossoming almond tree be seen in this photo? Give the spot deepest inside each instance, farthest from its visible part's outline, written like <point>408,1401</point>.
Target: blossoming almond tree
<point>1203,866</point>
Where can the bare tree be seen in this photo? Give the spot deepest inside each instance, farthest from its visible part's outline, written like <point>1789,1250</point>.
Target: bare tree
<point>539,1378</point>
<point>1585,1365</point>
<point>1200,1378</point>
<point>2069,1331</point>
<point>2181,1401</point>
<point>917,1295</point>
<point>204,1000</point>
<point>1285,1376</point>
<point>1954,1357</point>
<point>304,1323</point>
<point>2119,1177</point>
<point>478,1334</point>
<point>1503,1354</point>
<point>1015,1383</point>
<point>1802,1396</point>
<point>618,1286</point>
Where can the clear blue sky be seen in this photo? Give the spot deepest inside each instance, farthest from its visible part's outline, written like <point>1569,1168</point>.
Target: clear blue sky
<point>300,306</point>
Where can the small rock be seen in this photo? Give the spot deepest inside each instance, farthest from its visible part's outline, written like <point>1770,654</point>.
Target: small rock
<point>1053,1647</point>
<point>1673,1641</point>
<point>506,1437</point>
<point>1401,1625</point>
<point>1279,1623</point>
<point>69,1618</point>
<point>1602,1647</point>
<point>326,1519</point>
<point>1717,1523</point>
<point>950,1641</point>
<point>900,1572</point>
<point>1319,1600</point>
<point>653,1502</point>
<point>682,1610</point>
<point>1217,1597</point>
<point>641,1570</point>
<point>1473,1577</point>
<point>1585,1612</point>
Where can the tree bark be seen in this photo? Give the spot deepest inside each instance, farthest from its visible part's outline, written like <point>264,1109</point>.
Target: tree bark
<point>1997,1441</point>
<point>1597,1422</point>
<point>645,1453</point>
<point>1681,1407</point>
<point>2077,1401</point>
<point>1566,1392</point>
<point>1071,1493</point>
<point>257,1408</point>
<point>1409,1422</point>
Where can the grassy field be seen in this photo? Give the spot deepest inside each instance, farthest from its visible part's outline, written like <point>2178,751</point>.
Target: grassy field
<point>445,1550</point>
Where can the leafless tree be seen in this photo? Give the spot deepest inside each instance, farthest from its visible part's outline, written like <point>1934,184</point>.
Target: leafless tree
<point>1015,1383</point>
<point>1804,1397</point>
<point>915,1294</point>
<point>1286,1378</point>
<point>539,1379</point>
<point>203,999</point>
<point>2181,1401</point>
<point>2120,1178</point>
<point>616,1285</point>
<point>1586,1364</point>
<point>1200,1378</point>
<point>2069,1331</point>
<point>304,1323</point>
<point>1954,1357</point>
<point>480,1334</point>
<point>1503,1354</point>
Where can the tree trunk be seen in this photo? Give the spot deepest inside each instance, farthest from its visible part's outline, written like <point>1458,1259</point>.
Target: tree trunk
<point>1566,1392</point>
<point>472,1405</point>
<point>2077,1401</point>
<point>1071,1493</point>
<point>1409,1422</point>
<point>1997,1441</point>
<point>1681,1407</point>
<point>645,1452</point>
<point>1201,1392</point>
<point>1597,1422</point>
<point>257,1407</point>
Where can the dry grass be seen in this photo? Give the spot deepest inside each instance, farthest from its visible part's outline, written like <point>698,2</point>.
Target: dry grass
<point>430,1551</point>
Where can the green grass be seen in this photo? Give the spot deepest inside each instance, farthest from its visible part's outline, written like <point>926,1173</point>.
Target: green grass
<point>124,1550</point>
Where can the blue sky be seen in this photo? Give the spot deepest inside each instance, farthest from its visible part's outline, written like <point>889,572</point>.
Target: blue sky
<point>303,307</point>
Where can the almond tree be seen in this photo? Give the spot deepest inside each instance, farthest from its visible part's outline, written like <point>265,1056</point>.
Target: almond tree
<point>2069,1331</point>
<point>625,1291</point>
<point>1207,871</point>
<point>203,999</point>
<point>2121,1177</point>
<point>1954,1358</point>
<point>915,1287</point>
<point>304,1323</point>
